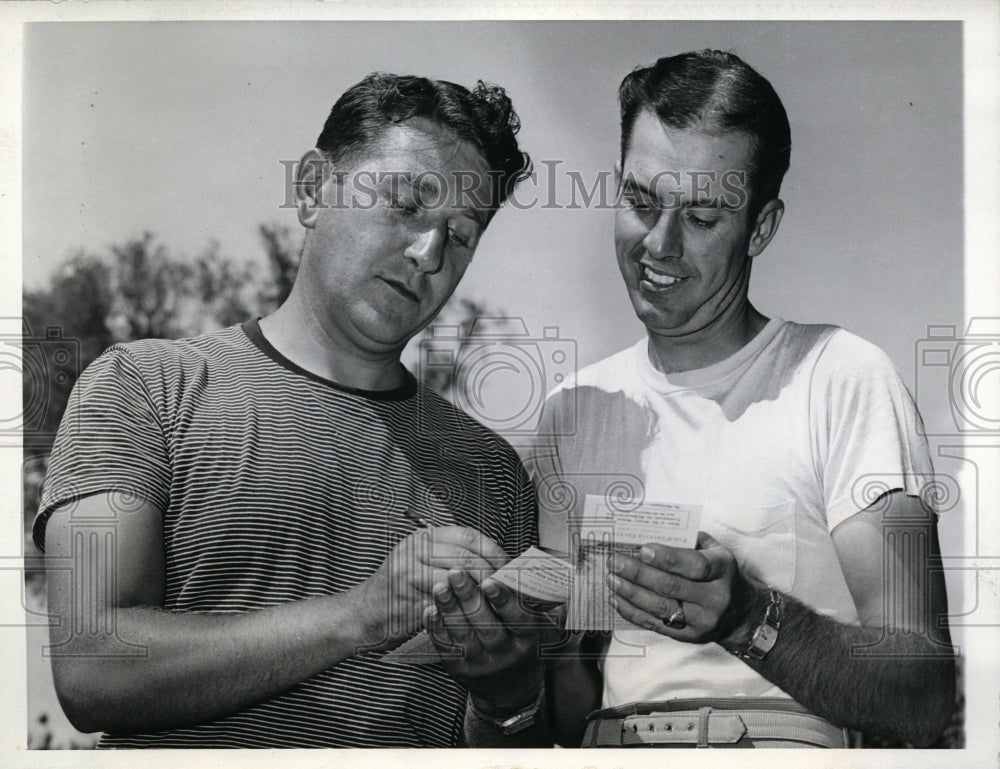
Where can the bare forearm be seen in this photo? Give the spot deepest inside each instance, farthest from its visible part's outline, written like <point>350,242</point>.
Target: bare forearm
<point>897,685</point>
<point>123,664</point>
<point>194,668</point>
<point>575,686</point>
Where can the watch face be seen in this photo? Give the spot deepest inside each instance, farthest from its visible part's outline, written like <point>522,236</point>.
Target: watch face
<point>765,638</point>
<point>518,723</point>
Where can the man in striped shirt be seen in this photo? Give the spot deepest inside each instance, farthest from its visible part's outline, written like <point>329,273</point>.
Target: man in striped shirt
<point>241,524</point>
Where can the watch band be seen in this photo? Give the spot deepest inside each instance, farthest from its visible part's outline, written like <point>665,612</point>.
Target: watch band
<point>765,635</point>
<point>518,722</point>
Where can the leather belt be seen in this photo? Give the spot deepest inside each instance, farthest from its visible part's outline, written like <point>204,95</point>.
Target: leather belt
<point>700,723</point>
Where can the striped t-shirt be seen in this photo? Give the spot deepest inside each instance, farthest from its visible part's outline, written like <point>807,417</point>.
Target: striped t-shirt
<point>278,485</point>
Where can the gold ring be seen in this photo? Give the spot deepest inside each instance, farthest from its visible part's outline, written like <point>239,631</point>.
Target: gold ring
<point>677,619</point>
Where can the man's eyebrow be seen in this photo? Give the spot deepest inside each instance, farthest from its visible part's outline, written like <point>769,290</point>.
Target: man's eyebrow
<point>424,185</point>
<point>480,217</point>
<point>633,185</point>
<point>395,181</point>
<point>702,202</point>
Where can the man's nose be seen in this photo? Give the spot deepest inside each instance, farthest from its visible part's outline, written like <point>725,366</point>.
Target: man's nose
<point>427,249</point>
<point>664,241</point>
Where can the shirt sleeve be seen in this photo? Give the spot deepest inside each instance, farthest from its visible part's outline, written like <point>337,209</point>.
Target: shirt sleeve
<point>522,530</point>
<point>543,465</point>
<point>111,438</point>
<point>871,438</point>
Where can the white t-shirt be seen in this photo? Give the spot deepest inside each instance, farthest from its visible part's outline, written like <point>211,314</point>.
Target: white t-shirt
<point>793,434</point>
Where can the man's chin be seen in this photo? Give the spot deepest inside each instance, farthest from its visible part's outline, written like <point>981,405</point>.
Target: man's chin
<point>391,332</point>
<point>648,313</point>
<point>660,323</point>
<point>390,343</point>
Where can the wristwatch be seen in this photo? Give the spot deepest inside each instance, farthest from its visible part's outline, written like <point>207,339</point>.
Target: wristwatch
<point>765,635</point>
<point>521,720</point>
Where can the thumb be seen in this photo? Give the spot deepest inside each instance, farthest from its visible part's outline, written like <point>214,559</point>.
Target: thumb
<point>706,541</point>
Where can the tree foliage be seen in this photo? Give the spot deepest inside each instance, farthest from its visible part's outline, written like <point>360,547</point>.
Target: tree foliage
<point>136,290</point>
<point>283,264</point>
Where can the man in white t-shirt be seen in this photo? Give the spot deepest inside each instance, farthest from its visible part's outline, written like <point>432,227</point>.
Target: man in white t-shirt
<point>810,606</point>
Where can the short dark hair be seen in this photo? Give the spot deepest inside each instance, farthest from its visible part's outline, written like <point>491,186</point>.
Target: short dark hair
<point>714,90</point>
<point>483,117</point>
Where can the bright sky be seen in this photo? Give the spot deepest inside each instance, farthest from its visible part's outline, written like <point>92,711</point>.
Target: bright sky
<point>180,128</point>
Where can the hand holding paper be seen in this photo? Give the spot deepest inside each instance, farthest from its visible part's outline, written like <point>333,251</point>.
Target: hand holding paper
<point>705,584</point>
<point>391,601</point>
<point>498,635</point>
<point>537,582</point>
<point>605,534</point>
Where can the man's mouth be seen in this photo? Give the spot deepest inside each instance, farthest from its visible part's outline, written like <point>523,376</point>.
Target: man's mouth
<point>401,289</point>
<point>658,280</point>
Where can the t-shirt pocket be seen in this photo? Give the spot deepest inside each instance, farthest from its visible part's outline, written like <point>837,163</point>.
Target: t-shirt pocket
<point>761,538</point>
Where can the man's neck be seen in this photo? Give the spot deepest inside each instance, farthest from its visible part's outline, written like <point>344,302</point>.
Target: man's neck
<point>297,335</point>
<point>706,346</point>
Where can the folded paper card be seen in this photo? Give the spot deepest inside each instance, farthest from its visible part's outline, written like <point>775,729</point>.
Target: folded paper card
<point>604,530</point>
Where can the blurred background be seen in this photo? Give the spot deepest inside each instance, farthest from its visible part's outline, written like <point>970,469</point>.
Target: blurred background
<point>155,203</point>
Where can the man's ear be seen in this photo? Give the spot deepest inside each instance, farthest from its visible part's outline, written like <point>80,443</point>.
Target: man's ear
<point>307,194</point>
<point>767,226</point>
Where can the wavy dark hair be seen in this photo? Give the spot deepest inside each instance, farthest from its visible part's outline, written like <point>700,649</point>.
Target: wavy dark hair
<point>484,117</point>
<point>714,90</point>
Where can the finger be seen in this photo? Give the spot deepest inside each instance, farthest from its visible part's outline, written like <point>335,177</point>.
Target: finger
<point>450,614</point>
<point>479,616</point>
<point>434,627</point>
<point>654,579</point>
<point>442,556</point>
<point>559,615</point>
<point>517,620</point>
<point>694,565</point>
<point>721,557</point>
<point>423,581</point>
<point>466,614</point>
<point>439,633</point>
<point>466,592</point>
<point>652,604</point>
<point>458,541</point>
<point>452,557</point>
<point>641,618</point>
